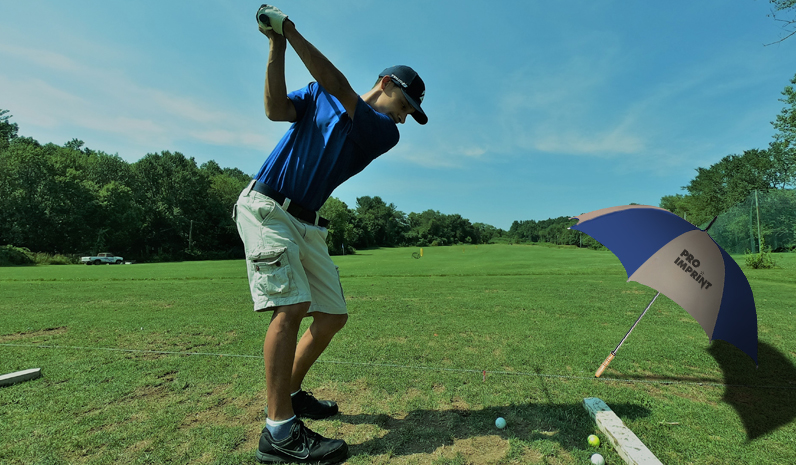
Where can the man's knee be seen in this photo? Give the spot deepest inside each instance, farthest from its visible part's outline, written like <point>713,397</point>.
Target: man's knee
<point>330,323</point>
<point>340,321</point>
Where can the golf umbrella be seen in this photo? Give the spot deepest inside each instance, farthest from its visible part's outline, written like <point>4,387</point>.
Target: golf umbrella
<point>667,253</point>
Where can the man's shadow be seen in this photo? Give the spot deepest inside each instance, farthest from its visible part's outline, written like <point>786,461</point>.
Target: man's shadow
<point>425,431</point>
<point>762,397</point>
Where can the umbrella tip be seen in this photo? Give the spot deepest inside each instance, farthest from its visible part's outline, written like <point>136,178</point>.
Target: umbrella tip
<point>711,223</point>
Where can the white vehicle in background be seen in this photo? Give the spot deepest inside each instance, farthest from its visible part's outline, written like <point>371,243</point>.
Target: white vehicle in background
<point>101,258</point>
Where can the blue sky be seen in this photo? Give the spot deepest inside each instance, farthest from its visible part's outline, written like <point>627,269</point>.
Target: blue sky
<point>536,109</point>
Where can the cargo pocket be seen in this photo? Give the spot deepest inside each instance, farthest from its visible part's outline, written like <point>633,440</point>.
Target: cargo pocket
<point>272,272</point>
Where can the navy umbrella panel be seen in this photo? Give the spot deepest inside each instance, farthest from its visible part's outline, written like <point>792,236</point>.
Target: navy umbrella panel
<point>667,253</point>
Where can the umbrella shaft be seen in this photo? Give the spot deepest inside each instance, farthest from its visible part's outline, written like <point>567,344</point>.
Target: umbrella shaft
<point>636,323</point>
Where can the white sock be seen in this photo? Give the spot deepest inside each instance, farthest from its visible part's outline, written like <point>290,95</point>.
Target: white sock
<point>279,429</point>
<point>291,395</point>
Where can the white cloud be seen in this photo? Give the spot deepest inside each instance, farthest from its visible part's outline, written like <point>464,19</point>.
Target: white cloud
<point>43,58</point>
<point>445,156</point>
<point>69,93</point>
<point>39,102</point>
<point>607,144</point>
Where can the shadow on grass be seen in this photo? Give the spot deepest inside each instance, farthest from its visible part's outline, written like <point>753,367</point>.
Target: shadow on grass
<point>759,396</point>
<point>756,394</point>
<point>425,431</point>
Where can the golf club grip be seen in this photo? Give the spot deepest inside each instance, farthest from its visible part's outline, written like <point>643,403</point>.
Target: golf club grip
<point>604,365</point>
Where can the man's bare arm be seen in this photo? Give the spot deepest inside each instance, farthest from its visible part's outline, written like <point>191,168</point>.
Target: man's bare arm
<point>321,69</point>
<point>277,106</point>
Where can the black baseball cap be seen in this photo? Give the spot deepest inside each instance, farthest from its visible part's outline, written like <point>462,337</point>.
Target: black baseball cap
<point>412,86</point>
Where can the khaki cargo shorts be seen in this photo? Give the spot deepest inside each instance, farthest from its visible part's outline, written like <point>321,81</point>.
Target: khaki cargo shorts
<point>287,259</point>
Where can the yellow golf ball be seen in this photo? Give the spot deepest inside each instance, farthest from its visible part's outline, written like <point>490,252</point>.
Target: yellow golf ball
<point>594,441</point>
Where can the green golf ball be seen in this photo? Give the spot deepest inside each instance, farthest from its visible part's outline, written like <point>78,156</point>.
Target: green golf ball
<point>500,422</point>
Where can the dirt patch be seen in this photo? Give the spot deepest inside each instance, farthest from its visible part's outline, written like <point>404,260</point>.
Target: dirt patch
<point>477,450</point>
<point>27,336</point>
<point>168,342</point>
<point>228,411</point>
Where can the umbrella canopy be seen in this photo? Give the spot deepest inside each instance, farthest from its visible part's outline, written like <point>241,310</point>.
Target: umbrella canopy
<point>667,253</point>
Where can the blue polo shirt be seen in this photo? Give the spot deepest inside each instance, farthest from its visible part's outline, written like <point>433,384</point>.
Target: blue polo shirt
<point>324,147</point>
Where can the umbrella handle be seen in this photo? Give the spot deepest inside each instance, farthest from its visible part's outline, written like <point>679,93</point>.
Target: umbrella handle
<point>604,365</point>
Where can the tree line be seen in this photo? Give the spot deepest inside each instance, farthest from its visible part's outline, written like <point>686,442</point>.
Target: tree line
<point>374,223</point>
<point>553,231</point>
<point>71,200</point>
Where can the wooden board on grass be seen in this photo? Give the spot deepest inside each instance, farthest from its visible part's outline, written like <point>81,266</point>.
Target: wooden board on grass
<point>627,444</point>
<point>19,376</point>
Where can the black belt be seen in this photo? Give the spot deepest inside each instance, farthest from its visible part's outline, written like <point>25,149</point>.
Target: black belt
<point>293,208</point>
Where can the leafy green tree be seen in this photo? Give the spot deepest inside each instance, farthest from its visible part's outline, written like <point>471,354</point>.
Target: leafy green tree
<point>487,232</point>
<point>425,229</point>
<point>784,146</point>
<point>552,230</point>
<point>77,145</point>
<point>783,164</point>
<point>119,222</point>
<point>47,204</point>
<point>461,230</point>
<point>341,226</point>
<point>524,230</point>
<point>174,194</point>
<point>21,170</point>
<point>730,181</point>
<point>211,168</point>
<point>678,204</point>
<point>226,185</point>
<point>103,169</point>
<point>434,228</point>
<point>379,224</point>
<point>8,130</point>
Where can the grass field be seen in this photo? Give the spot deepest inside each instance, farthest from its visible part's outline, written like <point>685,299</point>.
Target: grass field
<point>435,349</point>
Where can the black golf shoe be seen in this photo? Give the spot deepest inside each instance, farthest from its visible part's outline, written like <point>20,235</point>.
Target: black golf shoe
<point>302,445</point>
<point>305,405</point>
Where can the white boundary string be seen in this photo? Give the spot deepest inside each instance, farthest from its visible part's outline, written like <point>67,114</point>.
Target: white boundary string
<point>411,367</point>
<point>135,351</point>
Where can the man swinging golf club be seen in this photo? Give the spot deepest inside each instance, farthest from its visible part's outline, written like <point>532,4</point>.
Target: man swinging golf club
<point>335,134</point>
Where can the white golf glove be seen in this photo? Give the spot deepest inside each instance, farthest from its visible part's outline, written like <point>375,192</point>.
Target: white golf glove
<point>270,17</point>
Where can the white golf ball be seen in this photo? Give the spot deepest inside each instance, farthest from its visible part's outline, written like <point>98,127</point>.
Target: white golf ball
<point>597,459</point>
<point>500,422</point>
